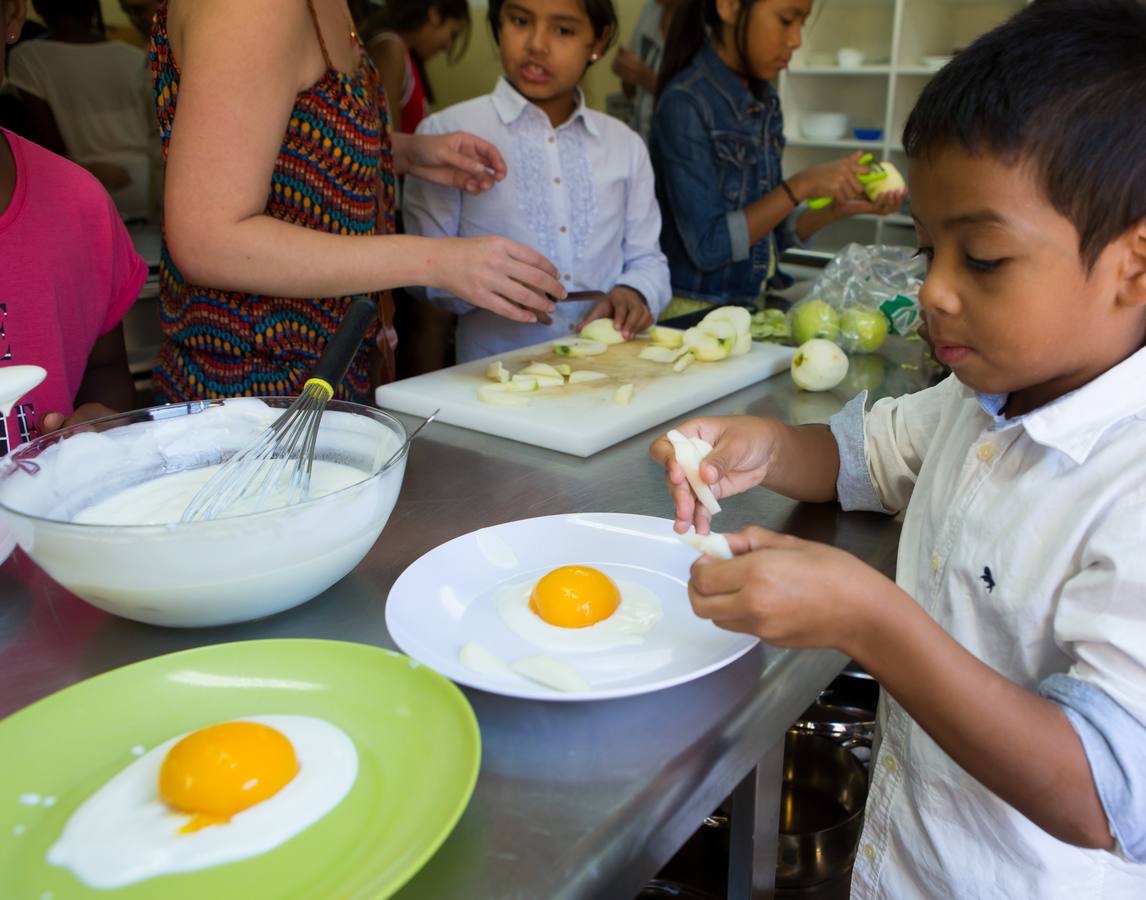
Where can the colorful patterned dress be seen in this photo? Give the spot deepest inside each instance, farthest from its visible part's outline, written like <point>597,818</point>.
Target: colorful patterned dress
<point>334,173</point>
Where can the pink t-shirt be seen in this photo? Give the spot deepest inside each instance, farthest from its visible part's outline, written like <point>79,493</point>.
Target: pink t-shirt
<point>68,273</point>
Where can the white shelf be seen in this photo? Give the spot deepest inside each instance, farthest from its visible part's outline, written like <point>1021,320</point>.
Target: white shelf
<point>841,144</point>
<point>836,70</point>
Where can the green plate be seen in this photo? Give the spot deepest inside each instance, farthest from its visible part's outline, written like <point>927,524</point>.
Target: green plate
<point>418,751</point>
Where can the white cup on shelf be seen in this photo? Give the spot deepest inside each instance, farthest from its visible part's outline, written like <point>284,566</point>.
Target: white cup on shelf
<point>850,57</point>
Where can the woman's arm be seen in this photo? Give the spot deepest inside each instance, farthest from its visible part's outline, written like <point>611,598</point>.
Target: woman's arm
<point>242,65</point>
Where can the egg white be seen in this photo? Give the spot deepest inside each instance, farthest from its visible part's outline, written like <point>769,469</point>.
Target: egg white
<point>639,610</point>
<point>124,833</point>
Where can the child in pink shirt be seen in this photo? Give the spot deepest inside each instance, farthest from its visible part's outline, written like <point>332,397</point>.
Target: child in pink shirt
<point>68,274</point>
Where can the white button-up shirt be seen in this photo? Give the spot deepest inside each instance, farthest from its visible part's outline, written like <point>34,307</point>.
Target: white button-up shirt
<point>1026,540</point>
<point>581,194</point>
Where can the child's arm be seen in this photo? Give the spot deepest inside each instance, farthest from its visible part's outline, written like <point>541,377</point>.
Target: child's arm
<point>800,462</point>
<point>107,386</point>
<point>795,593</point>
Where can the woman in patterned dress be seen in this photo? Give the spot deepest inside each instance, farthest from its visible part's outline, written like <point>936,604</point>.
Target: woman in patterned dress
<point>280,200</point>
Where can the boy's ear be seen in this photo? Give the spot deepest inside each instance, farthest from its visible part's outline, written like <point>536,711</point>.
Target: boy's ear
<point>1132,290</point>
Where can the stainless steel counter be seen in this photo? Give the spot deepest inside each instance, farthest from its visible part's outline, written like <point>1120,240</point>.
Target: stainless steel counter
<point>573,800</point>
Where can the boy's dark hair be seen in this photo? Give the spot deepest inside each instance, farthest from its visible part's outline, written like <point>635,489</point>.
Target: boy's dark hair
<point>56,12</point>
<point>602,14</point>
<point>1061,86</point>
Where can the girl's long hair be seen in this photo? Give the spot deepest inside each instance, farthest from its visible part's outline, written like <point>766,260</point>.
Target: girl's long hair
<point>692,22</point>
<point>410,15</point>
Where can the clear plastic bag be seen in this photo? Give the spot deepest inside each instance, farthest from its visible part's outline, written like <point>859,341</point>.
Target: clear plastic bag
<point>865,293</point>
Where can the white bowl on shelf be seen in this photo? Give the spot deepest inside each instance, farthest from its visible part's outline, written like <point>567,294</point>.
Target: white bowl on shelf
<point>850,58</point>
<point>824,126</point>
<point>935,63</point>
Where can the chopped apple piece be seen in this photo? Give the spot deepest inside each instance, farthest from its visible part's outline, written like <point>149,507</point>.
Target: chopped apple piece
<point>623,395</point>
<point>663,336</point>
<point>564,369</point>
<point>704,346</point>
<point>683,363</point>
<point>578,347</point>
<point>737,316</point>
<point>501,395</point>
<point>690,453</point>
<point>602,330</point>
<point>495,371</point>
<point>583,375</point>
<point>710,544</point>
<point>523,383</point>
<point>548,381</point>
<point>657,353</point>
<point>540,368</point>
<point>743,344</point>
<point>554,673</point>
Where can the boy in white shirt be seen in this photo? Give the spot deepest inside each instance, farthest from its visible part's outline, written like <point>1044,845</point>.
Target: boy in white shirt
<point>579,187</point>
<point>1012,646</point>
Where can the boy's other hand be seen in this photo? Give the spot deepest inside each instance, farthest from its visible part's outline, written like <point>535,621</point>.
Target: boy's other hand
<point>741,453</point>
<point>787,591</point>
<point>87,412</point>
<point>628,308</point>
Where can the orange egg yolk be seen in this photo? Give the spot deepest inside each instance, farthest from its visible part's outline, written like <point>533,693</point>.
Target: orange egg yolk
<point>575,597</point>
<point>219,771</point>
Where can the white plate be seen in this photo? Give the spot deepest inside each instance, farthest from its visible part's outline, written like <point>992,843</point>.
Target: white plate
<point>446,598</point>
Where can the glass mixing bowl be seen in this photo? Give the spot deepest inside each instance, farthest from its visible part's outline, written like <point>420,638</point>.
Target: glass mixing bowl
<point>192,574</point>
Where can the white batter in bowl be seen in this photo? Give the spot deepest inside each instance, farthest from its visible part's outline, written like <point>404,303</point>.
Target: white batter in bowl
<point>192,574</point>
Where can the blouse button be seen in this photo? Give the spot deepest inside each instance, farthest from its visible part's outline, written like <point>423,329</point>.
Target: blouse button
<point>936,562</point>
<point>869,851</point>
<point>986,452</point>
<point>557,181</point>
<point>890,764</point>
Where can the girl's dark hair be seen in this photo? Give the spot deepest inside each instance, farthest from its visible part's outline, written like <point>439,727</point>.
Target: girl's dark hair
<point>602,14</point>
<point>1060,87</point>
<point>410,15</point>
<point>690,24</point>
<point>86,11</point>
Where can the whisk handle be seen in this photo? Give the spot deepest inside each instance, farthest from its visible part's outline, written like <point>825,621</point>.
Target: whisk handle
<point>344,343</point>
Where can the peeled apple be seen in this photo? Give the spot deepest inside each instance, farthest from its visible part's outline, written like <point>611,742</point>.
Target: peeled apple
<point>623,395</point>
<point>690,452</point>
<point>660,354</point>
<point>893,182</point>
<point>579,347</point>
<point>495,371</point>
<point>709,544</point>
<point>602,330</point>
<point>583,375</point>
<point>663,336</point>
<point>819,365</point>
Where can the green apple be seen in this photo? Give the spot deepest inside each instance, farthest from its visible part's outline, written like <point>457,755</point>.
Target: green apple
<point>819,365</point>
<point>602,331</point>
<point>814,319</point>
<point>863,329</point>
<point>893,182</point>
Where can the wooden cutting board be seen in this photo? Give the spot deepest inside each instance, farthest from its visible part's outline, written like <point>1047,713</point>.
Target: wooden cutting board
<point>583,418</point>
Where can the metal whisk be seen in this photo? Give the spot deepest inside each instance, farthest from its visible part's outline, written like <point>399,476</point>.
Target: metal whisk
<point>283,455</point>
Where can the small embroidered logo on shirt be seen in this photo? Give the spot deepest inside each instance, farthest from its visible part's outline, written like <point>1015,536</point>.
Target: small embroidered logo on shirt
<point>988,579</point>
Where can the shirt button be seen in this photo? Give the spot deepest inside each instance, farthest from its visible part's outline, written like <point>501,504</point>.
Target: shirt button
<point>563,229</point>
<point>936,562</point>
<point>869,851</point>
<point>889,763</point>
<point>557,181</point>
<point>552,139</point>
<point>986,452</point>
<point>568,277</point>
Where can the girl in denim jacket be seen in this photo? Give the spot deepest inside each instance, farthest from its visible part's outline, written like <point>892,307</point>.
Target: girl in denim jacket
<point>716,148</point>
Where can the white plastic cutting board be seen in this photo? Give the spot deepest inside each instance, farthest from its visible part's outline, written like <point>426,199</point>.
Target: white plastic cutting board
<point>583,418</point>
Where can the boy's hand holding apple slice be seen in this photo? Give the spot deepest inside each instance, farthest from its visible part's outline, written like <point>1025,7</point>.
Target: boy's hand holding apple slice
<point>739,458</point>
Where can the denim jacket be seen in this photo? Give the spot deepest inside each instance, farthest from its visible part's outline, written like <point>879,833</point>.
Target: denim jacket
<point>716,148</point>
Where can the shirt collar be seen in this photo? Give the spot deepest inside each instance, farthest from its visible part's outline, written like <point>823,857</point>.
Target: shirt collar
<point>510,105</point>
<point>748,100</point>
<point>1074,423</point>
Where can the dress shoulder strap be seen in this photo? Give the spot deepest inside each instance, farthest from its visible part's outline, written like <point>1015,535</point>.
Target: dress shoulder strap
<point>318,33</point>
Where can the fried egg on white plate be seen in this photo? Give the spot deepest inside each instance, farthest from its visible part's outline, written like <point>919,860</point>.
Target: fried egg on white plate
<point>217,795</point>
<point>578,609</point>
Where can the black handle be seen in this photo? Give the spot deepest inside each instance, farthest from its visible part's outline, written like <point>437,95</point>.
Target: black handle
<point>344,343</point>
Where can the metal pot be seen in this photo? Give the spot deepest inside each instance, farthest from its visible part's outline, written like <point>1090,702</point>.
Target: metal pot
<point>821,810</point>
<point>844,712</point>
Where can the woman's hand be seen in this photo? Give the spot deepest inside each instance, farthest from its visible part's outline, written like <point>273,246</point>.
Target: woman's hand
<point>741,453</point>
<point>498,274</point>
<point>838,180</point>
<point>87,412</point>
<point>458,160</point>
<point>791,592</point>
<point>628,309</point>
